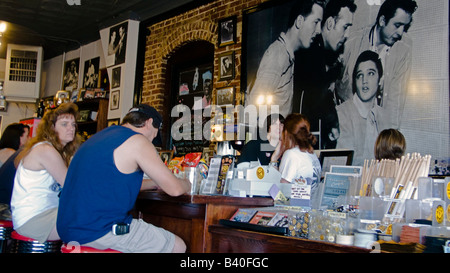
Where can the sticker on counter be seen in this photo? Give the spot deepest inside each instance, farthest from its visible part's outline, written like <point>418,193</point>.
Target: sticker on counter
<point>260,172</point>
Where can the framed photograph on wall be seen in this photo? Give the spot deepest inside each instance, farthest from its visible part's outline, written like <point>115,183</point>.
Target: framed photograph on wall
<point>117,44</point>
<point>91,73</point>
<point>116,72</point>
<point>225,96</point>
<point>114,100</point>
<point>71,68</point>
<point>227,31</point>
<point>226,66</point>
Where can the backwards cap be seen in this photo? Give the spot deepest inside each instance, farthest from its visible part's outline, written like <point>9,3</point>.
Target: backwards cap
<point>149,112</point>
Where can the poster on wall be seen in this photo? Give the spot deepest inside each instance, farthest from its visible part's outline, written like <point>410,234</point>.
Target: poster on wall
<point>117,45</point>
<point>323,75</point>
<point>195,86</point>
<point>91,73</point>
<point>70,81</point>
<point>195,92</point>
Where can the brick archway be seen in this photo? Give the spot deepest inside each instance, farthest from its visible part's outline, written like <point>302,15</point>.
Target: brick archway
<point>161,44</point>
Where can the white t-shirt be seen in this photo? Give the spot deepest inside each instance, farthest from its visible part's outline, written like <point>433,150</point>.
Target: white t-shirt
<point>33,193</point>
<point>296,164</point>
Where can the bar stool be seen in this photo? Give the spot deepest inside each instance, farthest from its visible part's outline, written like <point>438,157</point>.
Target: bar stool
<point>23,244</point>
<point>76,248</point>
<point>6,227</point>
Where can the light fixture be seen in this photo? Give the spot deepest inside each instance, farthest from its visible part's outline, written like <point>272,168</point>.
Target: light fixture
<point>260,100</point>
<point>2,27</point>
<point>264,99</point>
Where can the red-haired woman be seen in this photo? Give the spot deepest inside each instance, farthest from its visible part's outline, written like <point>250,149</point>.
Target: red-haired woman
<point>299,162</point>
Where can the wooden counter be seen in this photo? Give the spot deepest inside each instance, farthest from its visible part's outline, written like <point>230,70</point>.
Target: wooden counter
<point>232,240</point>
<point>189,216</point>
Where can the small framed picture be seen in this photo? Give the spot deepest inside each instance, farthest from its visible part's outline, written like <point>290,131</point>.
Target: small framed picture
<point>116,72</point>
<point>227,31</point>
<point>115,100</point>
<point>100,94</point>
<point>166,156</point>
<point>74,96</point>
<point>114,121</point>
<point>225,96</point>
<point>84,115</point>
<point>89,94</point>
<point>226,65</point>
<point>81,93</point>
<point>61,96</point>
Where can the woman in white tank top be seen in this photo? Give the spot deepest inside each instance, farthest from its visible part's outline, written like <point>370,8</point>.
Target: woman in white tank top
<point>41,171</point>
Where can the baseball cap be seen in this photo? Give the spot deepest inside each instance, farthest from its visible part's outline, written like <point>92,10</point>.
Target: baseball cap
<point>149,112</point>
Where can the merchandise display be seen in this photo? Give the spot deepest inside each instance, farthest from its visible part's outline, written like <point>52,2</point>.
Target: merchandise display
<point>387,205</point>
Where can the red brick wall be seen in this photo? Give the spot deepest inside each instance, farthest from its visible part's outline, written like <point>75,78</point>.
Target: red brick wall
<point>198,24</point>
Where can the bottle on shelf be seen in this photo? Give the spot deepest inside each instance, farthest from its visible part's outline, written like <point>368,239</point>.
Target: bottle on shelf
<point>41,109</point>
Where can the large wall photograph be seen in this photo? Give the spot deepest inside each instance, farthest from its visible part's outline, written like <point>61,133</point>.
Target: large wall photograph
<point>376,65</point>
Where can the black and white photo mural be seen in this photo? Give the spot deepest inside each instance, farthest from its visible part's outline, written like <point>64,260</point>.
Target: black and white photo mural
<point>321,68</point>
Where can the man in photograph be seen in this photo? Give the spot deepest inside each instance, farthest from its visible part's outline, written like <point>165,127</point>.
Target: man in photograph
<point>91,73</point>
<point>71,76</point>
<point>387,38</point>
<point>274,78</point>
<point>226,67</point>
<point>122,45</point>
<point>318,67</point>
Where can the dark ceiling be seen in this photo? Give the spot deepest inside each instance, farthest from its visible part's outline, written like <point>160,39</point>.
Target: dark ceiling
<point>58,26</point>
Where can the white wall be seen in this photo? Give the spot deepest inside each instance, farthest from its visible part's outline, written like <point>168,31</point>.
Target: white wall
<point>128,68</point>
<point>53,68</point>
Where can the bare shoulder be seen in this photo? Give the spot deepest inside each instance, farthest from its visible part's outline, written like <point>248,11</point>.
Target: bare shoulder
<point>41,154</point>
<point>134,147</point>
<point>43,148</point>
<point>137,143</point>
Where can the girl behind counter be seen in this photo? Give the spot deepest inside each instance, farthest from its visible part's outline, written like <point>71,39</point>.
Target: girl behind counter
<point>265,151</point>
<point>299,160</point>
<point>41,171</point>
<point>390,144</point>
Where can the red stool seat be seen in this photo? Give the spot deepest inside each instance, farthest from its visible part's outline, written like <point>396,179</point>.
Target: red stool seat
<point>6,224</point>
<point>17,236</point>
<point>24,244</point>
<point>84,249</point>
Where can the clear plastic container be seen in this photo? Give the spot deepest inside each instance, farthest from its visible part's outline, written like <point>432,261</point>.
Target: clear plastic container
<point>372,208</point>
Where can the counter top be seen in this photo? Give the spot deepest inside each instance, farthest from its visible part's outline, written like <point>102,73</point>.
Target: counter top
<point>206,199</point>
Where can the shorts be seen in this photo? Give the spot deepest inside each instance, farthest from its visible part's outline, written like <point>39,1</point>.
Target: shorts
<point>143,238</point>
<point>40,226</point>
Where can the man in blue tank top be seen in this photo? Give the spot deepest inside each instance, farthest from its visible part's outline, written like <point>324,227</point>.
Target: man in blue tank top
<point>102,184</point>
